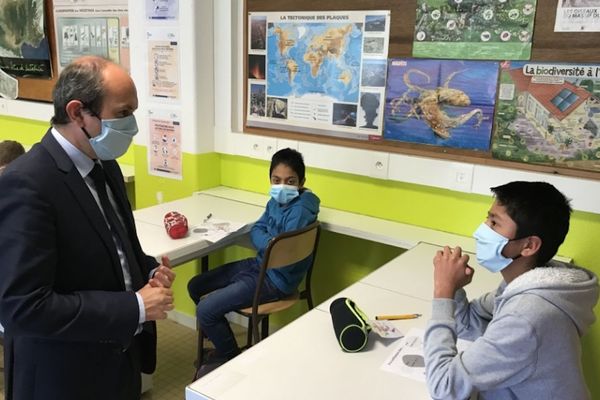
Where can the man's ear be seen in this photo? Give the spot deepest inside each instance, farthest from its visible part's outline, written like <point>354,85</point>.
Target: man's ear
<point>74,110</point>
<point>302,183</point>
<point>532,246</point>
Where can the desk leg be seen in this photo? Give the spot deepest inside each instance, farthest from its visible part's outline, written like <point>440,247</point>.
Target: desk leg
<point>204,264</point>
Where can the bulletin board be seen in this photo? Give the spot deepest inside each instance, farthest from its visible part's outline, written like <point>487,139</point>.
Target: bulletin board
<point>37,88</point>
<point>547,46</point>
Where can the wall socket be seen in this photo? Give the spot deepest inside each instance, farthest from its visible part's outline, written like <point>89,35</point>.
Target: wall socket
<point>462,177</point>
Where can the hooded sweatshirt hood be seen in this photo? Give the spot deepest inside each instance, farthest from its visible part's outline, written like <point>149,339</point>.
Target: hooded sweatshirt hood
<point>572,290</point>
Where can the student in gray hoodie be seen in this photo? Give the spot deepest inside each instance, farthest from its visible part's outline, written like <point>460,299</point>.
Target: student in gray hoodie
<point>527,332</point>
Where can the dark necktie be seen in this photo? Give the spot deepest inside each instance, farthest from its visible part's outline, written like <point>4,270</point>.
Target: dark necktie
<point>97,175</point>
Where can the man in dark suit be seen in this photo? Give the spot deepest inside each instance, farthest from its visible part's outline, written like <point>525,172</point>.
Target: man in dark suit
<point>78,296</point>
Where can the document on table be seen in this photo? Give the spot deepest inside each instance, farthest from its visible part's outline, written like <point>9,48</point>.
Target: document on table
<point>407,359</point>
<point>215,229</point>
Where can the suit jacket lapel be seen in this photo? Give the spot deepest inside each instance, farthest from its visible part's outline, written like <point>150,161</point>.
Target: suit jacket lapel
<point>84,198</point>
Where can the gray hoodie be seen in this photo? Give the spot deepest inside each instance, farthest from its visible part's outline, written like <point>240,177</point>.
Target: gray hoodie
<point>526,338</point>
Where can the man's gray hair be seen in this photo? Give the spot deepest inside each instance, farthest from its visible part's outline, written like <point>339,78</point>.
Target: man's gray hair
<point>81,80</point>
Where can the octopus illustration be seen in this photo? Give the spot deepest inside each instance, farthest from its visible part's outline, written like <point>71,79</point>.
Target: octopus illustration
<point>429,104</point>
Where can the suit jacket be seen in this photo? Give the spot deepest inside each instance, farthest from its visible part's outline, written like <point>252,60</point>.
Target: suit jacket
<point>63,303</point>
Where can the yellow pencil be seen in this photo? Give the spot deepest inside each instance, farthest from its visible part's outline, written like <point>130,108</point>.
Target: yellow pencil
<point>399,316</point>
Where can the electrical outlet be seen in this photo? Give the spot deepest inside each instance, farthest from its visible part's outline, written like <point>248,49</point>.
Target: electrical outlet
<point>461,177</point>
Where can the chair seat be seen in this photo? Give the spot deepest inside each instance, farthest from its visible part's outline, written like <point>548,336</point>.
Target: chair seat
<point>274,306</point>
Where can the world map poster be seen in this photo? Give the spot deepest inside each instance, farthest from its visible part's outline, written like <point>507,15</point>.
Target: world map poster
<point>318,72</point>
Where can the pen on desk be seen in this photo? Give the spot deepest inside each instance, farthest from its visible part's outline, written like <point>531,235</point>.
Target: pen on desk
<point>399,316</point>
<point>209,216</point>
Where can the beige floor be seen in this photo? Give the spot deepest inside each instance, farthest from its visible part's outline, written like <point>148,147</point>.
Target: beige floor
<point>176,354</point>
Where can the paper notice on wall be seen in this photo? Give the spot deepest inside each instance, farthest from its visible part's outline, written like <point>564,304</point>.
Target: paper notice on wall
<point>9,86</point>
<point>162,9</point>
<point>165,156</point>
<point>577,16</point>
<point>163,63</point>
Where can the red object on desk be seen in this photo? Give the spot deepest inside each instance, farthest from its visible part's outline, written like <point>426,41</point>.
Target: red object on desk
<point>176,224</point>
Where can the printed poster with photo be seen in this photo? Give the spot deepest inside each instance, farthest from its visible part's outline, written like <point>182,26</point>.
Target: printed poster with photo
<point>577,16</point>
<point>94,28</point>
<point>447,103</point>
<point>549,113</point>
<point>474,29</point>
<point>318,72</point>
<point>24,49</point>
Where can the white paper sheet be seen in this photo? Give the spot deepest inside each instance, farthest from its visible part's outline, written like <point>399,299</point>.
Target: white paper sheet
<point>407,359</point>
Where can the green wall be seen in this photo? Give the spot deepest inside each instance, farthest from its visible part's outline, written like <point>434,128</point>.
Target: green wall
<point>341,260</point>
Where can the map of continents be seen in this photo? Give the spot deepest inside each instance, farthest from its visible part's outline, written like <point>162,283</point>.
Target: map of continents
<point>314,58</point>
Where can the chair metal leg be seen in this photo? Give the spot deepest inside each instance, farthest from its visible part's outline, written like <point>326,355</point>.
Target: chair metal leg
<point>204,264</point>
<point>309,300</point>
<point>264,327</point>
<point>249,333</point>
<point>200,347</point>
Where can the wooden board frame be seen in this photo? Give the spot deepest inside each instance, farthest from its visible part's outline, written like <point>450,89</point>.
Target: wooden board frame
<point>547,46</point>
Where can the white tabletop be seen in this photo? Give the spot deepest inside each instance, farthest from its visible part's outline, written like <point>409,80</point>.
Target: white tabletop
<point>303,360</point>
<point>198,206</point>
<point>128,172</point>
<point>361,226</point>
<point>155,241</point>
<point>411,273</point>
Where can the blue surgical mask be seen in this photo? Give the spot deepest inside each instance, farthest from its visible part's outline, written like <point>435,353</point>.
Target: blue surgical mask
<point>283,194</point>
<point>114,138</point>
<point>489,248</point>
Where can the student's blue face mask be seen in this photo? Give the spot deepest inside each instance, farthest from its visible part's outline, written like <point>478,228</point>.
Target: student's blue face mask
<point>489,248</point>
<point>283,194</point>
<point>114,138</point>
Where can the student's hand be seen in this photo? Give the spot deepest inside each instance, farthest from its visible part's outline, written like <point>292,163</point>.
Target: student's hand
<point>157,301</point>
<point>164,274</point>
<point>451,272</point>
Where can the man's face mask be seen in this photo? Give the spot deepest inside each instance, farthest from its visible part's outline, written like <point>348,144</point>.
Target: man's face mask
<point>114,138</point>
<point>489,248</point>
<point>283,194</point>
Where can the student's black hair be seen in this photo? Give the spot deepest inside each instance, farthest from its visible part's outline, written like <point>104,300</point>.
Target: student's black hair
<point>538,209</point>
<point>292,159</point>
<point>9,151</point>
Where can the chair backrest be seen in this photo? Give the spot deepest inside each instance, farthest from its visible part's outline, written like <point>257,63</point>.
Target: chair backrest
<point>292,247</point>
<point>283,250</point>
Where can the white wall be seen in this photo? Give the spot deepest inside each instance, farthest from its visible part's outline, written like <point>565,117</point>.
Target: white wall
<point>459,176</point>
<point>194,31</point>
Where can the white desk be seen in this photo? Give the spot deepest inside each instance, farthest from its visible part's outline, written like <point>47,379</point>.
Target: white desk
<point>128,172</point>
<point>303,360</point>
<point>411,273</point>
<point>156,242</point>
<point>360,226</point>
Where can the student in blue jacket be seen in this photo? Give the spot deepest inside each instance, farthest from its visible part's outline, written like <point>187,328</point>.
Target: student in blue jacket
<point>232,286</point>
